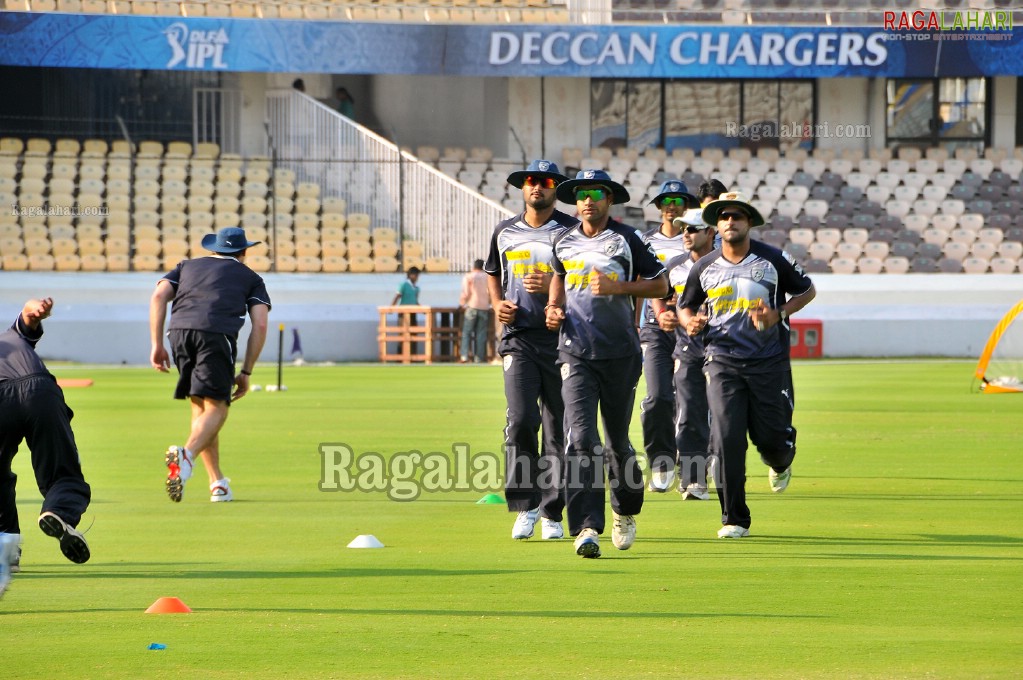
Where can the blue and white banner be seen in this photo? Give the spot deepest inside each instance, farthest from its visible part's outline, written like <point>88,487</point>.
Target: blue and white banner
<point>620,51</point>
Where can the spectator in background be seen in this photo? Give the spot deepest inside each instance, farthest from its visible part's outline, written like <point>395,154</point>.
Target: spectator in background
<point>298,84</point>
<point>408,294</point>
<point>408,291</point>
<point>475,304</point>
<point>345,103</point>
<point>32,408</point>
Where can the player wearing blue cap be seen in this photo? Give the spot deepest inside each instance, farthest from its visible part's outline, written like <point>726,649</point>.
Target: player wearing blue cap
<point>692,422</point>
<point>601,265</point>
<point>519,265</point>
<point>211,296</point>
<point>750,289</point>
<point>657,410</point>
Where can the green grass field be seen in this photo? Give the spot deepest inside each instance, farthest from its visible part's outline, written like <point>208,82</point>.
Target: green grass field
<point>895,553</point>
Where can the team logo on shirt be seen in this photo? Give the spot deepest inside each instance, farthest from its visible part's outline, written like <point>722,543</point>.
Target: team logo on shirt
<point>757,274</point>
<point>611,248</point>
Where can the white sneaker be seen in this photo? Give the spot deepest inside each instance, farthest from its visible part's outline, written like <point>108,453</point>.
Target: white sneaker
<point>695,492</point>
<point>8,551</point>
<point>220,491</point>
<point>550,530</point>
<point>733,531</point>
<point>660,480</point>
<point>179,469</point>
<point>524,523</point>
<point>779,480</point>
<point>623,531</point>
<point>16,558</point>
<point>587,544</point>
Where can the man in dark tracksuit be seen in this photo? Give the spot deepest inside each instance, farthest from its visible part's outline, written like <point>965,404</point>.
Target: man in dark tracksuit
<point>600,266</point>
<point>751,289</point>
<point>519,265</point>
<point>657,411</point>
<point>692,422</point>
<point>32,408</point>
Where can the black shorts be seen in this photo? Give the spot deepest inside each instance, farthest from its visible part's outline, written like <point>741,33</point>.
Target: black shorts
<point>205,364</point>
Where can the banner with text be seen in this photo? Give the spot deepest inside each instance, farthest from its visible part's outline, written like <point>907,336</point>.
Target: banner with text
<point>619,51</point>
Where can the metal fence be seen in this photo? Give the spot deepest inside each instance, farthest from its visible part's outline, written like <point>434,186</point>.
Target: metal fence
<point>375,177</point>
<point>216,113</point>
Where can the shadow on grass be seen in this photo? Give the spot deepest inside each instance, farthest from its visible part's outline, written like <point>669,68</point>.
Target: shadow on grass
<point>178,571</point>
<point>475,614</point>
<point>490,613</point>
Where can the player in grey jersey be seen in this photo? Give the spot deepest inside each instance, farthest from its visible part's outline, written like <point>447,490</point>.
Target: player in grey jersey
<point>692,422</point>
<point>657,409</point>
<point>600,266</point>
<point>750,289</point>
<point>519,265</point>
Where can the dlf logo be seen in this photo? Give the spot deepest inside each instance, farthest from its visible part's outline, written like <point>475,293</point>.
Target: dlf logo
<point>198,49</point>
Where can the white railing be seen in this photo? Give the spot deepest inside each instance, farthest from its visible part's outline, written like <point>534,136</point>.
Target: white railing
<point>393,187</point>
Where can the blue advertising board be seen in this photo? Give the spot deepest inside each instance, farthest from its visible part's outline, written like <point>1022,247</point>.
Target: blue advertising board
<point>619,51</point>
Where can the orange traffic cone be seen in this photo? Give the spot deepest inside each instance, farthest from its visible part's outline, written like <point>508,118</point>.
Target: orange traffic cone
<point>168,605</point>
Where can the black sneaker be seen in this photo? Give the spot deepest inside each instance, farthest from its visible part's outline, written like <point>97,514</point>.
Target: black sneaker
<point>72,542</point>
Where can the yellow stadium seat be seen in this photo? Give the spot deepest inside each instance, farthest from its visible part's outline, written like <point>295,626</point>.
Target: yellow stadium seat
<point>438,264</point>
<point>41,263</point>
<point>146,263</point>
<point>361,264</point>
<point>93,262</point>
<point>384,263</point>
<point>335,264</point>
<point>15,262</point>
<point>68,262</point>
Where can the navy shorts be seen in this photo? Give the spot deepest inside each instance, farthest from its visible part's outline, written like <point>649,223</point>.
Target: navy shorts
<point>205,364</point>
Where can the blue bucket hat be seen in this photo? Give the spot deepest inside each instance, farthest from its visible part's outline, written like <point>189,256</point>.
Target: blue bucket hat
<point>228,241</point>
<point>673,188</point>
<point>538,168</point>
<point>566,190</point>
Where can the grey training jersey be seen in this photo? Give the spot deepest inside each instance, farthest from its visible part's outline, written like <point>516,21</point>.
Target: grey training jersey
<point>687,347</point>
<point>766,273</point>
<point>667,249</point>
<point>601,326</point>
<point>515,249</point>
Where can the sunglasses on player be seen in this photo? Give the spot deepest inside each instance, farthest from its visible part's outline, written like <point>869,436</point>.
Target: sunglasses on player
<point>673,201</point>
<point>694,230</point>
<point>544,182</point>
<point>596,194</point>
<point>737,216</point>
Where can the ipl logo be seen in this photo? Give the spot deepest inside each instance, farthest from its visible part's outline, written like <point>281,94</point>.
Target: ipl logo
<point>197,48</point>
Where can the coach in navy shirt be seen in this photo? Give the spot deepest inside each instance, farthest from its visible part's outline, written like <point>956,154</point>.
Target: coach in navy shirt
<point>211,297</point>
